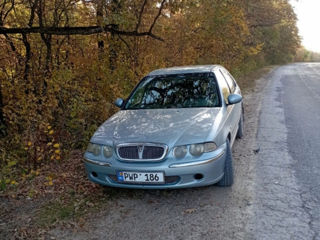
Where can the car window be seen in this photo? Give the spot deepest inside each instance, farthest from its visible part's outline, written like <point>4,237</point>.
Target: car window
<point>229,80</point>
<point>223,86</point>
<point>175,91</point>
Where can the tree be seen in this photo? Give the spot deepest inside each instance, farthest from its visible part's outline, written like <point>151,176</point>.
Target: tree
<point>63,62</point>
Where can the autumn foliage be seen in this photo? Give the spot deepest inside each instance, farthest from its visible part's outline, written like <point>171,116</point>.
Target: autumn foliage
<point>63,62</point>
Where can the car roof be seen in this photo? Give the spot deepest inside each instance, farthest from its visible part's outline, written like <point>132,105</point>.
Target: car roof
<point>184,69</point>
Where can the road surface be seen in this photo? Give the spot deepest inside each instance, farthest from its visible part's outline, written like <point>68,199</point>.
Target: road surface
<point>287,202</point>
<point>276,194</point>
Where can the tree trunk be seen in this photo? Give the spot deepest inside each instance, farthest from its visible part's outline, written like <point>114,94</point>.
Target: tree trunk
<point>100,4</point>
<point>2,120</point>
<point>28,56</point>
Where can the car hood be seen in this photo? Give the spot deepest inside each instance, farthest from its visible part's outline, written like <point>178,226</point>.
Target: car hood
<point>168,126</point>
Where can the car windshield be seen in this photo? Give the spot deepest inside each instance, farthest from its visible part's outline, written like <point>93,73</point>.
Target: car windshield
<point>175,91</point>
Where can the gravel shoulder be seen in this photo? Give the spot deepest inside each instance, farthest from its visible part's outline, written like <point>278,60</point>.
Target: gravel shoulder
<point>206,213</point>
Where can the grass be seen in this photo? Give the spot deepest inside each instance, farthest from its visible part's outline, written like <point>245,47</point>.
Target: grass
<point>64,209</point>
<point>56,211</point>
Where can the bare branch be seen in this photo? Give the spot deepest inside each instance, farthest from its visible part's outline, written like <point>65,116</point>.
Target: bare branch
<point>42,29</point>
<point>28,56</point>
<point>53,30</point>
<point>140,14</point>
<point>33,9</point>
<point>125,42</point>
<point>12,46</point>
<point>76,31</point>
<point>3,15</point>
<point>158,15</point>
<point>9,10</point>
<point>270,24</point>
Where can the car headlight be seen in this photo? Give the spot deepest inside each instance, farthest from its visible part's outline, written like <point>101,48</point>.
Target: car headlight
<point>210,147</point>
<point>180,152</point>
<point>95,149</point>
<point>200,148</point>
<point>107,151</point>
<point>196,149</point>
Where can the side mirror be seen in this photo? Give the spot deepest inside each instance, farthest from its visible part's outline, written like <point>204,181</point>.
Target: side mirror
<point>234,99</point>
<point>119,102</point>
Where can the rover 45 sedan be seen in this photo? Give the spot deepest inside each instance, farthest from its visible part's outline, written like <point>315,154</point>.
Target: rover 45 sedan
<point>175,130</point>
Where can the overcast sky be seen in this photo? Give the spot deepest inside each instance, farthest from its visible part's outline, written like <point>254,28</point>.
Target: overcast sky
<point>308,12</point>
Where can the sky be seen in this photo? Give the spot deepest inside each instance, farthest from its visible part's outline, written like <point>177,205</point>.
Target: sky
<point>308,12</point>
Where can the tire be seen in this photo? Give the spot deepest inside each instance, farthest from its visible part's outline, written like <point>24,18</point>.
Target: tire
<point>227,179</point>
<point>241,128</point>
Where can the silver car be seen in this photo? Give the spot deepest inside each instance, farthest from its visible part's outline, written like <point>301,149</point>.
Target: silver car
<point>175,130</point>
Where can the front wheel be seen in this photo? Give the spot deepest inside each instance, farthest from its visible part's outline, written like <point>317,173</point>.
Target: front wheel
<point>241,128</point>
<point>227,179</point>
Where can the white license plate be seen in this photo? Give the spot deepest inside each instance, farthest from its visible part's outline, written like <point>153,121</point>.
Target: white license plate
<point>141,177</point>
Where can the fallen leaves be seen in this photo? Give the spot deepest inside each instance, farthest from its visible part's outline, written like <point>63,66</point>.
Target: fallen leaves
<point>13,182</point>
<point>53,178</point>
<point>190,211</point>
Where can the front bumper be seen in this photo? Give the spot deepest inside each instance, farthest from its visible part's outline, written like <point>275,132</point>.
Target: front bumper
<point>177,175</point>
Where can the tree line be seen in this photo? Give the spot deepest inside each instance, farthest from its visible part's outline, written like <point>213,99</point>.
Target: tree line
<point>63,62</point>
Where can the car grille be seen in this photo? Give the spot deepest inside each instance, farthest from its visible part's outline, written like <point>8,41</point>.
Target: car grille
<point>152,152</point>
<point>141,151</point>
<point>128,152</point>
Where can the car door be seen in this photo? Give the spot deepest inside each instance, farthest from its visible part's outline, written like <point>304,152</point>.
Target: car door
<point>230,111</point>
<point>235,110</point>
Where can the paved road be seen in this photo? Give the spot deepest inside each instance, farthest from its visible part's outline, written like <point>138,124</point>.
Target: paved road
<point>287,203</point>
<point>276,194</point>
<point>302,116</point>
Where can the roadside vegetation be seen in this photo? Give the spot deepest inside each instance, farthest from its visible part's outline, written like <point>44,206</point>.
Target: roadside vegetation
<point>63,63</point>
<point>304,55</point>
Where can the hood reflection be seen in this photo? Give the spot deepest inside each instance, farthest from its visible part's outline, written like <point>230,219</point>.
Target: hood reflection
<point>168,126</point>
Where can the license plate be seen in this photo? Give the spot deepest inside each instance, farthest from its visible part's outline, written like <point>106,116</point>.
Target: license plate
<point>141,177</point>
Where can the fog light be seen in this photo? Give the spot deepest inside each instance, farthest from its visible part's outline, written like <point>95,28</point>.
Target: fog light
<point>198,176</point>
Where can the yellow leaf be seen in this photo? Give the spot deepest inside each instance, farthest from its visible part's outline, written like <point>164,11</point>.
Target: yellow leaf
<point>13,182</point>
<point>58,157</point>
<point>51,132</point>
<point>49,127</point>
<point>57,145</point>
<point>29,143</point>
<point>26,148</point>
<point>52,157</point>
<point>57,151</point>
<point>50,183</point>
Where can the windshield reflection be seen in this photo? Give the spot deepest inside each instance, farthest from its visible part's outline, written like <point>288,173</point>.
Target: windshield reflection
<point>175,91</point>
